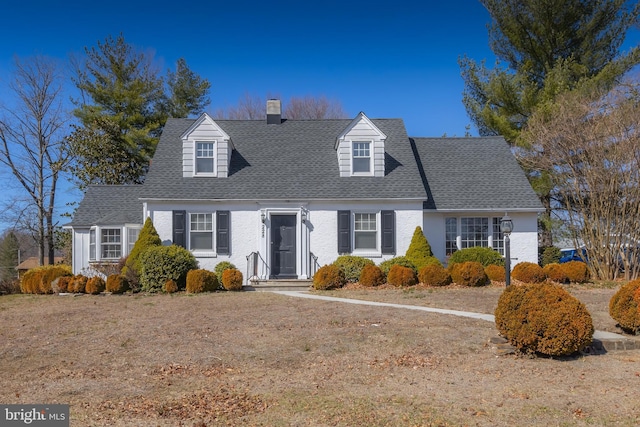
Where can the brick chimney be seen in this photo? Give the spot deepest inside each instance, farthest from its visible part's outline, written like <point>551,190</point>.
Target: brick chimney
<point>274,112</point>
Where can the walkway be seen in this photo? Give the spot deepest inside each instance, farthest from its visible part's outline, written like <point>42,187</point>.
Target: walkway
<point>609,340</point>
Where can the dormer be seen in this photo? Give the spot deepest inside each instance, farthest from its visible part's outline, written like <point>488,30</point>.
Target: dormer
<point>360,148</point>
<point>206,149</point>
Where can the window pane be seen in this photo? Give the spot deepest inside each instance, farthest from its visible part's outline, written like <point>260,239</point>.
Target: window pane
<point>474,232</point>
<point>201,231</point>
<point>365,240</point>
<point>365,231</point>
<point>201,241</point>
<point>365,222</point>
<point>451,234</point>
<point>110,244</point>
<point>133,236</point>
<point>361,157</point>
<point>361,165</point>
<point>92,245</point>
<point>498,237</point>
<point>204,157</point>
<point>204,165</point>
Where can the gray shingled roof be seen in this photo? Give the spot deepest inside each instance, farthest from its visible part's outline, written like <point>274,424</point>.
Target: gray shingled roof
<point>473,173</point>
<point>293,160</point>
<point>109,205</point>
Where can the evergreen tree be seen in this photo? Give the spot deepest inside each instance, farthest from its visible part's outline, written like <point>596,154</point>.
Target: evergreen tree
<point>188,92</point>
<point>9,258</point>
<point>148,237</point>
<point>419,250</point>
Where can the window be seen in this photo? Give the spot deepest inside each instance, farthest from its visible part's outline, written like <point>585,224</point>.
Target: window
<point>451,235</point>
<point>132,237</point>
<point>366,231</point>
<point>110,243</point>
<point>204,157</point>
<point>361,157</point>
<point>92,245</point>
<point>201,231</point>
<point>498,237</point>
<point>474,232</point>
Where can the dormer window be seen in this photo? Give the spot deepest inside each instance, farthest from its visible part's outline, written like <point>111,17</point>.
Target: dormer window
<point>205,158</point>
<point>361,157</point>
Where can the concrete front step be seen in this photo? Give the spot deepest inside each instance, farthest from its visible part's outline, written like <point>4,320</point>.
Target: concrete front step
<point>279,285</point>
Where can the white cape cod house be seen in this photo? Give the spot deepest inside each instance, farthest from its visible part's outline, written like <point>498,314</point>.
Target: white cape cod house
<point>278,197</point>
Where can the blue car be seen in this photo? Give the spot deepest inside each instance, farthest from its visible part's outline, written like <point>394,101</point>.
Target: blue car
<point>567,255</point>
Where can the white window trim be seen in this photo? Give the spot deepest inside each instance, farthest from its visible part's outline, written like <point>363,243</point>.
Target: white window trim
<point>195,157</point>
<point>459,231</point>
<point>371,155</point>
<point>100,243</point>
<point>95,257</point>
<point>128,228</point>
<point>203,252</point>
<point>377,252</point>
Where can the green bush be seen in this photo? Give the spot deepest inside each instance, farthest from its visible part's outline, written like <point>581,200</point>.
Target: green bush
<point>232,279</point>
<point>419,251</point>
<point>400,276</point>
<point>161,263</point>
<point>528,272</point>
<point>147,238</point>
<point>95,285</point>
<point>201,281</point>
<point>328,277</point>
<point>496,273</point>
<point>624,307</point>
<point>371,276</point>
<point>550,255</point>
<point>485,256</point>
<point>434,275</point>
<point>385,266</point>
<point>469,273</point>
<point>543,318</point>
<point>352,266</point>
<point>576,271</point>
<point>117,284</point>
<point>221,267</point>
<point>555,272</point>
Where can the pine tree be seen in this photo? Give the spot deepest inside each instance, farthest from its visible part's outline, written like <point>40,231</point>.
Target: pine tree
<point>187,92</point>
<point>9,258</point>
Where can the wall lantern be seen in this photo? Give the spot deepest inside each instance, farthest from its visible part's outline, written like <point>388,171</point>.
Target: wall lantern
<point>263,216</point>
<point>303,214</point>
<point>506,226</point>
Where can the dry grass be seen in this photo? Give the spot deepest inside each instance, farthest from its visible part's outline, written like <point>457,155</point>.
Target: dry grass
<point>268,360</point>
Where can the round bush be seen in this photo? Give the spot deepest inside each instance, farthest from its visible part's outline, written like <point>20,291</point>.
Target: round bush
<point>328,277</point>
<point>469,273</point>
<point>624,307</point>
<point>38,280</point>
<point>78,284</point>
<point>434,275</point>
<point>543,318</point>
<point>496,273</point>
<point>117,284</point>
<point>170,286</point>
<point>485,256</point>
<point>221,267</point>
<point>352,266</point>
<point>385,266</point>
<point>95,285</point>
<point>63,283</point>
<point>555,272</point>
<point>371,276</point>
<point>161,263</point>
<point>576,271</point>
<point>528,272</point>
<point>201,281</point>
<point>232,279</point>
<point>400,276</point>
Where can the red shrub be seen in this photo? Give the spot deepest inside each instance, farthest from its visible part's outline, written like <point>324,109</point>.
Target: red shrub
<point>400,276</point>
<point>371,275</point>
<point>434,275</point>
<point>528,272</point>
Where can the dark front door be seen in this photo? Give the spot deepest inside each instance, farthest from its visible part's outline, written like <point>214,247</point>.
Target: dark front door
<point>283,246</point>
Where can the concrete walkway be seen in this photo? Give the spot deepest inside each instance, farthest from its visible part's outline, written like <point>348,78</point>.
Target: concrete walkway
<point>609,340</point>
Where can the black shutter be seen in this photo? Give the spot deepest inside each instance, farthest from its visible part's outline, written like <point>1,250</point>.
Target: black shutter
<point>388,232</point>
<point>179,228</point>
<point>344,232</point>
<point>222,233</point>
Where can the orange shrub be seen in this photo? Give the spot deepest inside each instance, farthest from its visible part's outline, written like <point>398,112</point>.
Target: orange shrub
<point>63,283</point>
<point>624,307</point>
<point>495,273</point>
<point>469,273</point>
<point>95,285</point>
<point>78,284</point>
<point>576,271</point>
<point>400,276</point>
<point>117,284</point>
<point>371,275</point>
<point>555,272</point>
<point>329,277</point>
<point>202,281</point>
<point>232,279</point>
<point>434,275</point>
<point>528,272</point>
<point>170,286</point>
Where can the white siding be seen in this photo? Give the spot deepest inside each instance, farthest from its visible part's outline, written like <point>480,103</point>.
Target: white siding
<point>80,250</point>
<point>205,129</point>
<point>361,130</point>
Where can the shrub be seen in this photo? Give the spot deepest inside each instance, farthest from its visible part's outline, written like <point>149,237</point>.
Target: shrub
<point>201,281</point>
<point>496,273</point>
<point>170,286</point>
<point>38,280</point>
<point>576,271</point>
<point>550,255</point>
<point>371,276</point>
<point>352,266</point>
<point>434,275</point>
<point>385,266</point>
<point>221,267</point>
<point>78,284</point>
<point>400,276</point>
<point>485,256</point>
<point>161,263</point>
<point>232,279</point>
<point>63,283</point>
<point>469,273</point>
<point>95,285</point>
<point>117,284</point>
<point>543,318</point>
<point>555,272</point>
<point>328,277</point>
<point>624,307</point>
<point>147,238</point>
<point>419,251</point>
<point>528,272</point>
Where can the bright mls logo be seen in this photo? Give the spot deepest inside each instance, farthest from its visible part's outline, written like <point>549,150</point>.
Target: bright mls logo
<point>34,415</point>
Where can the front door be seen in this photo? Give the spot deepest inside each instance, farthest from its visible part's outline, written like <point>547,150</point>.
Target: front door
<point>283,246</point>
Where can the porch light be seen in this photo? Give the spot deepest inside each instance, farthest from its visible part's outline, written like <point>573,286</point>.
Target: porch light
<point>263,216</point>
<point>506,226</point>
<point>303,214</point>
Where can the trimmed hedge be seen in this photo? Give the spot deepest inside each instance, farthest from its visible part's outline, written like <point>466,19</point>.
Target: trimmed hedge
<point>624,307</point>
<point>78,284</point>
<point>543,318</point>
<point>328,277</point>
<point>95,285</point>
<point>117,284</point>
<point>385,266</point>
<point>161,263</point>
<point>496,273</point>
<point>371,276</point>
<point>232,279</point>
<point>38,280</point>
<point>434,275</point>
<point>469,273</point>
<point>555,272</point>
<point>400,276</point>
<point>352,266</point>
<point>201,281</point>
<point>528,272</point>
<point>221,267</point>
<point>485,256</point>
<point>576,271</point>
<point>170,286</point>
